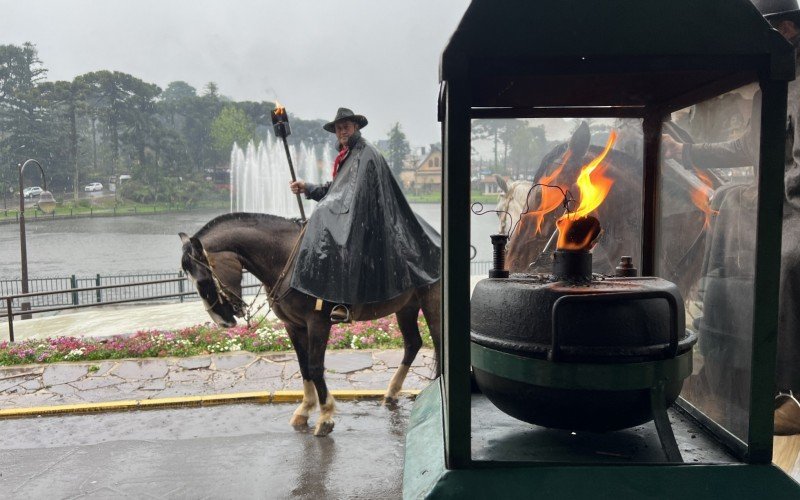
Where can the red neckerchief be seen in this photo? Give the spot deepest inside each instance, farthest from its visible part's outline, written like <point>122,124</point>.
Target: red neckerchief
<point>338,161</point>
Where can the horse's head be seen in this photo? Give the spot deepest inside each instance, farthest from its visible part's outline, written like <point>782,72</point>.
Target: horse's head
<point>511,203</point>
<point>217,277</point>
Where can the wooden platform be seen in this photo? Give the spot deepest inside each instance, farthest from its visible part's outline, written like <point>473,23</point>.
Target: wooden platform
<point>786,454</point>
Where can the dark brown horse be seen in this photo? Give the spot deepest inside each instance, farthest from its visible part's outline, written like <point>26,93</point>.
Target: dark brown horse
<point>262,244</point>
<point>682,221</point>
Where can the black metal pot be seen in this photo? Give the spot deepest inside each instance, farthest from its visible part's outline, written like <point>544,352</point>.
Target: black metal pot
<point>573,328</point>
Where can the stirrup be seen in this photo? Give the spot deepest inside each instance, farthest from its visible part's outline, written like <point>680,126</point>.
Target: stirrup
<point>340,314</point>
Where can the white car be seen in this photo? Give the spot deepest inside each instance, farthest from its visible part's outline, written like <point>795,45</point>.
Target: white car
<point>94,186</point>
<point>32,191</point>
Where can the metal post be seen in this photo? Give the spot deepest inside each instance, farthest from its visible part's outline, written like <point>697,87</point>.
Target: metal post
<point>652,127</point>
<point>74,284</point>
<point>767,270</point>
<point>97,283</point>
<point>455,276</point>
<point>10,321</point>
<point>181,284</point>
<point>23,250</point>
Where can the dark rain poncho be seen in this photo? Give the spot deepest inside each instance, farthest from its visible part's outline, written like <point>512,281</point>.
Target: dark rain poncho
<point>363,242</point>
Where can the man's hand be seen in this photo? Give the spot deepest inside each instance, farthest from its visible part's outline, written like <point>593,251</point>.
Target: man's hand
<point>672,148</point>
<point>297,187</point>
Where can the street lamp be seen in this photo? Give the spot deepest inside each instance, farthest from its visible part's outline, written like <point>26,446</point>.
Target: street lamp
<point>46,203</point>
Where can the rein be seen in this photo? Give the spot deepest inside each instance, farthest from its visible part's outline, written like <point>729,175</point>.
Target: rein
<point>223,293</point>
<point>271,295</point>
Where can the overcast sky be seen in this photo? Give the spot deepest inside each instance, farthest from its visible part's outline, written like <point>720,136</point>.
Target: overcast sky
<point>379,58</point>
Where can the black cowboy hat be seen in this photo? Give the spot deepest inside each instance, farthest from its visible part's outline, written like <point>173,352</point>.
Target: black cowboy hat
<point>775,10</point>
<point>346,114</point>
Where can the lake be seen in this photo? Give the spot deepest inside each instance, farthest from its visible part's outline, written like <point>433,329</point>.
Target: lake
<point>142,244</point>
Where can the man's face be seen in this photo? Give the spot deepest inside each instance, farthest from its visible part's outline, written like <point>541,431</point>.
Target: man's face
<point>344,130</point>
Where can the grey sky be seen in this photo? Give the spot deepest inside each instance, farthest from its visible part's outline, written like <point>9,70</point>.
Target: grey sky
<point>378,57</point>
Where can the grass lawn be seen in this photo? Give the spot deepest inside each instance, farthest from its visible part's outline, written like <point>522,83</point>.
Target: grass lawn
<point>487,199</point>
<point>107,208</point>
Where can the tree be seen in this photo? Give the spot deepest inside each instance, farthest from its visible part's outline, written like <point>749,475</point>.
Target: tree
<point>527,147</point>
<point>398,149</point>
<point>488,129</point>
<point>65,102</point>
<point>21,113</point>
<point>311,132</point>
<point>125,105</point>
<point>231,126</point>
<point>174,99</point>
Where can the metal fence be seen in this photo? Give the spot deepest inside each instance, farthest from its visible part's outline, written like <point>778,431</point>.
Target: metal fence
<point>70,295</point>
<point>58,294</point>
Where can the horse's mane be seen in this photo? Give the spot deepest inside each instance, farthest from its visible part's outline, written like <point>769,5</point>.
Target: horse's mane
<point>245,219</point>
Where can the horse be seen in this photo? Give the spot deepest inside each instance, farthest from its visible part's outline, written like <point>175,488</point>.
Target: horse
<point>620,215</point>
<point>263,244</point>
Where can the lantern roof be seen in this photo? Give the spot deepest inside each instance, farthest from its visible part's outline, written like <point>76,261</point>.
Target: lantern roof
<point>629,53</point>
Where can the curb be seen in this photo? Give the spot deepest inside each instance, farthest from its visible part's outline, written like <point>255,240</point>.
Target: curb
<point>263,397</point>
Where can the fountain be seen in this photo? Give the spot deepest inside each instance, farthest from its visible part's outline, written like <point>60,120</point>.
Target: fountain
<point>260,176</point>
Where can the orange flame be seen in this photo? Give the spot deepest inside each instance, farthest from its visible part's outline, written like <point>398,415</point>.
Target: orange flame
<point>594,186</point>
<point>279,110</point>
<point>702,198</point>
<point>551,198</point>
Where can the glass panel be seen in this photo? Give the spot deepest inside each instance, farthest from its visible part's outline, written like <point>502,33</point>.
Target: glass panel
<point>510,155</point>
<point>707,244</point>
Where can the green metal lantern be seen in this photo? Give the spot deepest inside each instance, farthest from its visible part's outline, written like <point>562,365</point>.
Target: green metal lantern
<point>645,62</point>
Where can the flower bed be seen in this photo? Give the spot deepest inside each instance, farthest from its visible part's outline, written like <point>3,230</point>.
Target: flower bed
<point>201,339</point>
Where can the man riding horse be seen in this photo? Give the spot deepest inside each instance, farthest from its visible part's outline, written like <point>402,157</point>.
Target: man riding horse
<point>362,255</point>
<point>363,243</point>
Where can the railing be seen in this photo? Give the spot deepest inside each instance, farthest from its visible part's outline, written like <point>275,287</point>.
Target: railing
<point>12,215</point>
<point>60,294</point>
<point>9,299</point>
<point>67,291</point>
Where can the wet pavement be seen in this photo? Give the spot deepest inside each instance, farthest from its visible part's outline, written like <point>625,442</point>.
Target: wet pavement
<point>233,451</point>
<point>238,372</point>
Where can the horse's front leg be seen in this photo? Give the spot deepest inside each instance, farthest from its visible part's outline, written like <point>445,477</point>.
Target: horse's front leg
<point>318,332</point>
<point>299,338</point>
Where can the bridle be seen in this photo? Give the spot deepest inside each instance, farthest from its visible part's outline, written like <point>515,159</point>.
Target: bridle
<point>224,293</point>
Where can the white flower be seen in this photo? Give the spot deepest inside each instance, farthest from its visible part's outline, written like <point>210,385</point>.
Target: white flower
<point>75,353</point>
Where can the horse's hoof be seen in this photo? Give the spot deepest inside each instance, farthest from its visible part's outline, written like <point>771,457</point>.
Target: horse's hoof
<point>298,421</point>
<point>324,428</point>
<point>390,402</point>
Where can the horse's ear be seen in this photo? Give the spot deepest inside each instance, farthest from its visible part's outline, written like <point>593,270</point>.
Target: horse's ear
<point>502,183</point>
<point>184,238</point>
<point>579,142</point>
<point>196,245</point>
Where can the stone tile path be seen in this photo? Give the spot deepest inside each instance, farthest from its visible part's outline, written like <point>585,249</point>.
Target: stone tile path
<point>154,378</point>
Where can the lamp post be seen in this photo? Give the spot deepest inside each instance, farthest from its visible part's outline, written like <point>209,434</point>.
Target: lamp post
<point>46,203</point>
<point>7,183</point>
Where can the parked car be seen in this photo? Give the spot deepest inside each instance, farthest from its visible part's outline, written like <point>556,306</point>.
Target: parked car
<point>32,191</point>
<point>93,186</point>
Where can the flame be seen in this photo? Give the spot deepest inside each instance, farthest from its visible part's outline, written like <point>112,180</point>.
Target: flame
<point>702,198</point>
<point>594,186</point>
<point>279,110</point>
<point>551,198</point>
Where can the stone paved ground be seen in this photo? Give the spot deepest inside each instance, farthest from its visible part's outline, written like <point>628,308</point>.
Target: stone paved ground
<point>152,378</point>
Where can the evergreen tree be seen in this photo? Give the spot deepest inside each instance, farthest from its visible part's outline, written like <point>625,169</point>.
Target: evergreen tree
<point>398,149</point>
